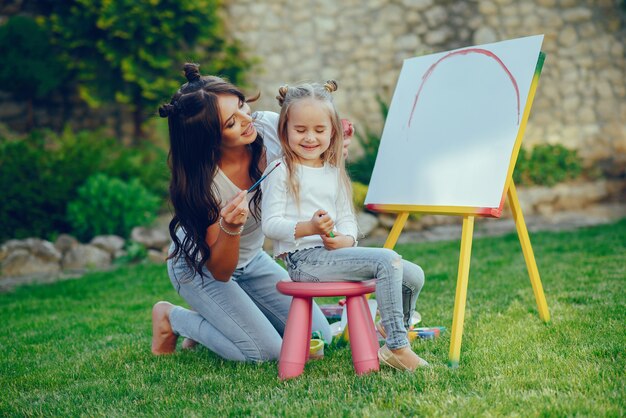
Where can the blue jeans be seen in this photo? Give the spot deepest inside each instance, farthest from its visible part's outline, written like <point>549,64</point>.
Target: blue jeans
<point>242,319</point>
<point>398,282</point>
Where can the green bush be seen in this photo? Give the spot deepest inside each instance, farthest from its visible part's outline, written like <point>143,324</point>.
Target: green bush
<point>41,173</point>
<point>135,252</point>
<point>29,66</point>
<point>129,51</point>
<point>359,192</point>
<point>361,168</point>
<point>108,205</point>
<point>547,165</point>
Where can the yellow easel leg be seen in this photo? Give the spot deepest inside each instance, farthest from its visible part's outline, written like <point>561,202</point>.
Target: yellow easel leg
<point>461,291</point>
<point>529,256</point>
<point>394,234</point>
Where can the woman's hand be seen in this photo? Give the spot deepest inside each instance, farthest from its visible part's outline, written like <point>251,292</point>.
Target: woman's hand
<point>339,241</point>
<point>235,213</point>
<point>219,236</point>
<point>348,132</point>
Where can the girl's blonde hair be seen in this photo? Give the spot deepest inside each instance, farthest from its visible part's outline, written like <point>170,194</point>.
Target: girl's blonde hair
<point>287,96</point>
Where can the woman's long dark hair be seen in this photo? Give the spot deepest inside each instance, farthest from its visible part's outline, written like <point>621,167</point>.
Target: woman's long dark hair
<point>195,140</point>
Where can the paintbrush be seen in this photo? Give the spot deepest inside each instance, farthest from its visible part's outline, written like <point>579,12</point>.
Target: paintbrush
<point>255,185</point>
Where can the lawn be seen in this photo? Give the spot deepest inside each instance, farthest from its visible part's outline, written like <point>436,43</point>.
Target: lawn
<point>82,347</point>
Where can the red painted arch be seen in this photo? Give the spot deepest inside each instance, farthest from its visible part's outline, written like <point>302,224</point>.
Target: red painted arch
<point>481,51</point>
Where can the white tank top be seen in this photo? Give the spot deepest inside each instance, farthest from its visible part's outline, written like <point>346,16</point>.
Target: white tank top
<point>251,241</point>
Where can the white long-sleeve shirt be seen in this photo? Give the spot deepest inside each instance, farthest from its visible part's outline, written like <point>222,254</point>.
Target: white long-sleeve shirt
<point>320,188</point>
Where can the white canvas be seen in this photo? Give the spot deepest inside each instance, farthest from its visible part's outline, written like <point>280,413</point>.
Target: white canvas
<point>452,125</point>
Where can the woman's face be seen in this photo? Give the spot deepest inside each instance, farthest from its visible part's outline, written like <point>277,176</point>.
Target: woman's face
<point>237,127</point>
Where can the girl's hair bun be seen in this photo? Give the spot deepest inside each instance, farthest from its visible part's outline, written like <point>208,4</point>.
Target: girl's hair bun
<point>192,71</point>
<point>282,92</point>
<point>331,85</point>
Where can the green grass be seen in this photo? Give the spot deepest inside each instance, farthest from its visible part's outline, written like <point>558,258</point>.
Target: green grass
<point>81,347</point>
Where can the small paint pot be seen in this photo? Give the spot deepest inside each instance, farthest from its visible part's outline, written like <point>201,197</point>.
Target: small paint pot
<point>316,351</point>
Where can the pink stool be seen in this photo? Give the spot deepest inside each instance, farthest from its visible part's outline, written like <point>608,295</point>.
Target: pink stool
<point>297,338</point>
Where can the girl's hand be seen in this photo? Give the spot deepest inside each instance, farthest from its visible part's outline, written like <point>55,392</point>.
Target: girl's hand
<point>321,223</point>
<point>235,213</point>
<point>339,241</point>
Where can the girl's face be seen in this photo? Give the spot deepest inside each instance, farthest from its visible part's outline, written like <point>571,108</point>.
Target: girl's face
<point>309,130</point>
<point>237,127</point>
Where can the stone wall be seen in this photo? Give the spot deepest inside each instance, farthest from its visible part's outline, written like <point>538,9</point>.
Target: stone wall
<point>581,100</point>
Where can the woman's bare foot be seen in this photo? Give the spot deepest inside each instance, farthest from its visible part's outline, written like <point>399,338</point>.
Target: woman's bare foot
<point>163,337</point>
<point>189,344</point>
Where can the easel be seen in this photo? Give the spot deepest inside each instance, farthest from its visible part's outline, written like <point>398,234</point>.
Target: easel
<point>469,213</point>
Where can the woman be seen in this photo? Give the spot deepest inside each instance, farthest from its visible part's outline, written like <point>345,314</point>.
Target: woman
<point>216,263</point>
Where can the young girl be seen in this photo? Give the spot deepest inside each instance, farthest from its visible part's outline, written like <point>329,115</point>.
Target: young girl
<point>307,212</point>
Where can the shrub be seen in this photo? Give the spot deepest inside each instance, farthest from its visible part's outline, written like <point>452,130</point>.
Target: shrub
<point>135,252</point>
<point>359,192</point>
<point>108,205</point>
<point>547,165</point>
<point>42,172</point>
<point>29,67</point>
<point>361,168</point>
<point>128,51</point>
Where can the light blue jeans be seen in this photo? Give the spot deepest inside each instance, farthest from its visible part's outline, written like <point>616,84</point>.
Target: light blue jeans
<point>398,282</point>
<point>242,319</point>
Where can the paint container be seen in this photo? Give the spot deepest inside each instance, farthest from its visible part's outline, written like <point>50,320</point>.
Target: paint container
<point>316,350</point>
<point>434,330</point>
<point>332,311</point>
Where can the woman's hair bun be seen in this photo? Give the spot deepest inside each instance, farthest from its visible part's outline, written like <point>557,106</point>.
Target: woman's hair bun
<point>331,85</point>
<point>282,92</point>
<point>167,110</point>
<point>192,71</point>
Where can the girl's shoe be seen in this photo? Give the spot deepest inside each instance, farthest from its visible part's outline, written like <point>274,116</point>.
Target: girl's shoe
<point>387,357</point>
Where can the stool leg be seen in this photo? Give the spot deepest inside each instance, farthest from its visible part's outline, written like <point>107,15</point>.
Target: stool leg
<point>294,351</point>
<point>364,352</point>
<point>372,330</point>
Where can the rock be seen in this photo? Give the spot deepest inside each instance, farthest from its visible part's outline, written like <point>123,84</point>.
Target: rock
<point>367,222</point>
<point>109,243</point>
<point>32,256</point>
<point>485,35</point>
<point>21,262</point>
<point>438,36</point>
<point>65,242</point>
<point>86,257</point>
<point>150,238</point>
<point>568,36</point>
<point>43,249</point>
<point>120,253</point>
<point>436,16</point>
<point>387,220</point>
<point>155,256</point>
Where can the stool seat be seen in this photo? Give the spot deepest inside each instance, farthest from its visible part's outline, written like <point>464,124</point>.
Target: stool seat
<point>294,351</point>
<point>326,289</point>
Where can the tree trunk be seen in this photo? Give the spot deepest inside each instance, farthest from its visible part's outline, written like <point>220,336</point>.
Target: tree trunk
<point>137,123</point>
<point>30,118</point>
